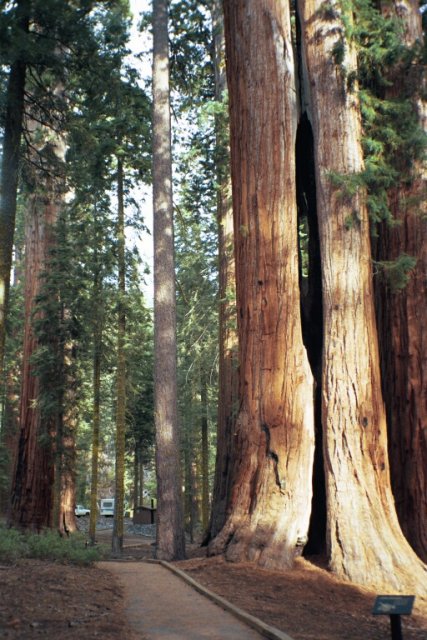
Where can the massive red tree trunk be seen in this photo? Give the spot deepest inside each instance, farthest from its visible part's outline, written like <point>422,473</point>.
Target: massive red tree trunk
<point>401,314</point>
<point>32,501</point>
<point>365,543</point>
<point>33,478</point>
<point>271,467</point>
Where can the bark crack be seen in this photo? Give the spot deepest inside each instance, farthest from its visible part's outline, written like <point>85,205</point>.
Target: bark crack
<point>272,455</point>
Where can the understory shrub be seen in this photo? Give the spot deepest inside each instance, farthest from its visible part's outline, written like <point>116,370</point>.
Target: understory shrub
<point>48,545</point>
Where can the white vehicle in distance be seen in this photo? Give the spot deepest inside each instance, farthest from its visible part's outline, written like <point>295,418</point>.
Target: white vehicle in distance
<point>106,507</point>
<point>81,511</point>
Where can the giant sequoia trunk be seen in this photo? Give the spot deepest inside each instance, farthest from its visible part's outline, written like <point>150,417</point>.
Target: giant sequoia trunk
<point>401,314</point>
<point>365,543</point>
<point>33,478</point>
<point>170,531</point>
<point>272,456</point>
<point>41,402</point>
<point>227,379</point>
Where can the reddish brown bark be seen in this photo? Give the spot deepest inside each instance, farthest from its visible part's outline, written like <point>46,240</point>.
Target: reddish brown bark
<point>401,314</point>
<point>33,478</point>
<point>365,543</point>
<point>271,466</point>
<point>32,501</point>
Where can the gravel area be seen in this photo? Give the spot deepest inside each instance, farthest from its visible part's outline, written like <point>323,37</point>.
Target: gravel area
<point>105,524</point>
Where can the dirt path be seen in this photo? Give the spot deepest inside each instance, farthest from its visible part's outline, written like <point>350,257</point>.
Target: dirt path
<point>159,604</point>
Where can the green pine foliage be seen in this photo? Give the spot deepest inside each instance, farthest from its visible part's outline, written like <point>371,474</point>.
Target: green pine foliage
<point>393,141</point>
<point>396,271</point>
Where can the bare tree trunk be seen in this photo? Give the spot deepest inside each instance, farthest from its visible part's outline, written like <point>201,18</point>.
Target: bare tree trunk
<point>401,314</point>
<point>96,386</point>
<point>205,449</point>
<point>269,507</point>
<point>141,478</point>
<point>8,437</point>
<point>117,540</point>
<point>228,345</point>
<point>189,495</point>
<point>66,437</point>
<point>9,171</point>
<point>170,532</point>
<point>365,544</point>
<point>136,481</point>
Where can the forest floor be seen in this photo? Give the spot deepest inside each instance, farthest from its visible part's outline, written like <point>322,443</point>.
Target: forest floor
<point>44,599</point>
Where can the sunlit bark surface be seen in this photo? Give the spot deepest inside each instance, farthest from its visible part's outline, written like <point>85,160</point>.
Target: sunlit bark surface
<point>365,543</point>
<point>269,506</point>
<point>402,314</point>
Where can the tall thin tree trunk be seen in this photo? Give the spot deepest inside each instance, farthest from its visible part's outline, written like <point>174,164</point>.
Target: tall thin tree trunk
<point>117,541</point>
<point>205,449</point>
<point>66,468</point>
<point>401,314</point>
<point>170,532</point>
<point>8,437</point>
<point>228,341</point>
<point>136,480</point>
<point>269,507</point>
<point>364,540</point>
<point>189,483</point>
<point>96,386</point>
<point>141,478</point>
<point>9,171</point>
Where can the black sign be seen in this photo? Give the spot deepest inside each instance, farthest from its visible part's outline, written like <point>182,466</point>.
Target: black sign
<point>393,605</point>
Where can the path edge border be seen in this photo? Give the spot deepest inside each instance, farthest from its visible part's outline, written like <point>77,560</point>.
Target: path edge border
<point>265,629</point>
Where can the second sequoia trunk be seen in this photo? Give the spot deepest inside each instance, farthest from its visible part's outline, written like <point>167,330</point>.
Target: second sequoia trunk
<point>364,540</point>
<point>271,467</point>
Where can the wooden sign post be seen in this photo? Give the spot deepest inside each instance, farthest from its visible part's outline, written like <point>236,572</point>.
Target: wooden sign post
<point>394,606</point>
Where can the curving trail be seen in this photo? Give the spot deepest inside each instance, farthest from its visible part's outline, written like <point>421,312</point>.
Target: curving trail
<point>158,604</point>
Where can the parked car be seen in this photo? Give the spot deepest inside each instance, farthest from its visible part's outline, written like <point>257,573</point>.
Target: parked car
<point>81,511</point>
